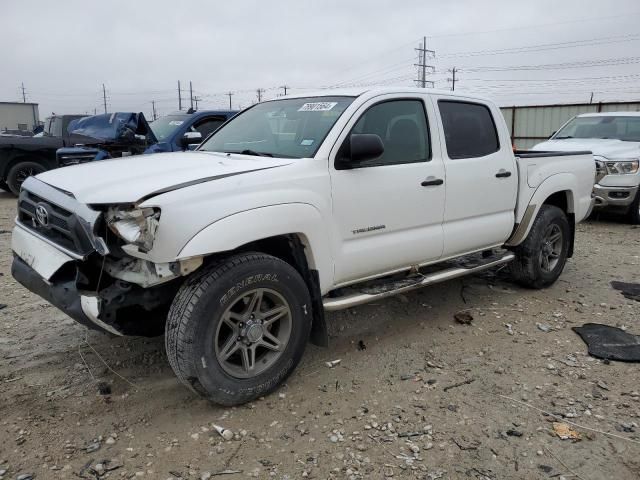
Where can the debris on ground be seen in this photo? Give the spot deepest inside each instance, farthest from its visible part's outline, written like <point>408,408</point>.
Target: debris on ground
<point>610,343</point>
<point>223,432</point>
<point>104,388</point>
<point>629,290</point>
<point>565,432</point>
<point>361,345</point>
<point>459,384</point>
<point>332,363</point>
<point>543,327</point>
<point>465,318</point>
<point>2,305</point>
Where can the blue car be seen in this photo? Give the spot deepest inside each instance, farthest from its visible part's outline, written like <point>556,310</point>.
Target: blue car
<point>120,134</point>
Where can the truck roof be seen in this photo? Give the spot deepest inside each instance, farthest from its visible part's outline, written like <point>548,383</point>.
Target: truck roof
<point>610,114</point>
<point>375,91</point>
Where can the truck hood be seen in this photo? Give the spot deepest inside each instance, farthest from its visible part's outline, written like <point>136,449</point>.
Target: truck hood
<point>135,179</point>
<point>604,147</point>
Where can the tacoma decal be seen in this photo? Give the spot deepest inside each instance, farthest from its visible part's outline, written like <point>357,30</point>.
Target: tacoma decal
<point>368,229</point>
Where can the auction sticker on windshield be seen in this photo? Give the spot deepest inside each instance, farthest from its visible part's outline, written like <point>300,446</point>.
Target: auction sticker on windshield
<point>317,107</point>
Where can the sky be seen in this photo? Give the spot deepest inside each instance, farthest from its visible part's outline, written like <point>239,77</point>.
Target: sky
<point>515,52</point>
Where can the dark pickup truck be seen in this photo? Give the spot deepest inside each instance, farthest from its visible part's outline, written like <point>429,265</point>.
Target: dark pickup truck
<point>101,136</point>
<point>21,157</point>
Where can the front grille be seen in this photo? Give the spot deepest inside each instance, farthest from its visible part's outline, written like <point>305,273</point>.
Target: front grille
<point>62,226</point>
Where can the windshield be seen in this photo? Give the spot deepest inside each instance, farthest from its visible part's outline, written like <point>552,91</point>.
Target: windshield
<point>163,127</point>
<point>287,128</point>
<point>620,128</point>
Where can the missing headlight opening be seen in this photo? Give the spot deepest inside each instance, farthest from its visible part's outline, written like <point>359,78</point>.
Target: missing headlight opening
<point>135,226</point>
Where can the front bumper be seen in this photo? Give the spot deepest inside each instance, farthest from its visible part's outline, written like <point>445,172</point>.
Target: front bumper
<point>614,197</point>
<point>63,295</point>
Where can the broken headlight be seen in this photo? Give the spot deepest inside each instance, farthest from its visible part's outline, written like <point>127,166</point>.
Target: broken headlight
<point>135,226</point>
<point>622,167</point>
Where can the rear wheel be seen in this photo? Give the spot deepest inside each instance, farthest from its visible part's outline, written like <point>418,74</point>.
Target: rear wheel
<point>634,210</point>
<point>20,172</point>
<point>238,329</point>
<point>541,258</point>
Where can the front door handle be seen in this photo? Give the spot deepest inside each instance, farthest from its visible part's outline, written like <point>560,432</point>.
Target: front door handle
<point>432,181</point>
<point>502,173</point>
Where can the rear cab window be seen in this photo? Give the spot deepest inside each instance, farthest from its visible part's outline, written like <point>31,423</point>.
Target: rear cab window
<point>469,129</point>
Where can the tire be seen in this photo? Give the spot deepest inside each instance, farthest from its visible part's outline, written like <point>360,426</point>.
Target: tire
<point>19,173</point>
<point>211,301</point>
<point>529,268</point>
<point>634,210</point>
<point>3,186</point>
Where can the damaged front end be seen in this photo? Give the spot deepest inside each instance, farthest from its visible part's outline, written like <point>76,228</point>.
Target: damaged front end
<point>114,135</point>
<point>84,261</point>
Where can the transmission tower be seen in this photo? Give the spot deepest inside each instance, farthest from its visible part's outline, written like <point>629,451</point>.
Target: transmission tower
<point>423,68</point>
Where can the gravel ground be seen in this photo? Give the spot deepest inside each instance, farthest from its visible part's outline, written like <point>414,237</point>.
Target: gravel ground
<point>416,394</point>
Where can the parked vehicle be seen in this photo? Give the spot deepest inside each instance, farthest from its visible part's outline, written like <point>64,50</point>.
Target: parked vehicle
<point>125,134</point>
<point>614,139</point>
<point>24,156</point>
<point>293,207</point>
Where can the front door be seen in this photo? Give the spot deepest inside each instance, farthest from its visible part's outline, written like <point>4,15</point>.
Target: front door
<point>388,211</point>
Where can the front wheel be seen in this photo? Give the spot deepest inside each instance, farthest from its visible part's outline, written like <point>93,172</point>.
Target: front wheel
<point>541,258</point>
<point>236,330</point>
<point>20,172</point>
<point>634,210</point>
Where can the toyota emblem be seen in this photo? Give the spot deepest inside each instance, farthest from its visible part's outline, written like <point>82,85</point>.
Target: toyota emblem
<point>42,215</point>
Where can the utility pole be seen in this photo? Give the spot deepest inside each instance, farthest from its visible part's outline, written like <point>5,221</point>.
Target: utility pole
<point>422,64</point>
<point>285,88</point>
<point>24,96</point>
<point>260,91</point>
<point>153,107</point>
<point>453,72</point>
<point>104,98</point>
<point>191,93</point>
<point>230,94</point>
<point>179,96</point>
<point>196,99</point>
<point>591,98</point>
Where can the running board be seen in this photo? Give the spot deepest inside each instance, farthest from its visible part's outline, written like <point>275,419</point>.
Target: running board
<point>355,299</point>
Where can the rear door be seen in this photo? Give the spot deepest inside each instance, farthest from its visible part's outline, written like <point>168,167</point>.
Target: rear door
<point>388,211</point>
<point>481,175</point>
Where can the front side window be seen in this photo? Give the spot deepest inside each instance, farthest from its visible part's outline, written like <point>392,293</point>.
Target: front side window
<point>205,127</point>
<point>164,127</point>
<point>626,129</point>
<point>402,127</point>
<point>469,129</point>
<point>286,128</point>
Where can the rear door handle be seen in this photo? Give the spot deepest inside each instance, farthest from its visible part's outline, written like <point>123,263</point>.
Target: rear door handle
<point>432,181</point>
<point>502,173</point>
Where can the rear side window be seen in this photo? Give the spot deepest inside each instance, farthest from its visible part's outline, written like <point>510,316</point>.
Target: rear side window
<point>469,129</point>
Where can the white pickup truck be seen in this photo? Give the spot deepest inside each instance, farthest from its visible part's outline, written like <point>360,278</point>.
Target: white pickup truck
<point>293,207</point>
<point>614,139</point>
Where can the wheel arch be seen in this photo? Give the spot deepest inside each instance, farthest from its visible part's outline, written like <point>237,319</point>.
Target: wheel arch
<point>557,190</point>
<point>19,157</point>
<point>294,233</point>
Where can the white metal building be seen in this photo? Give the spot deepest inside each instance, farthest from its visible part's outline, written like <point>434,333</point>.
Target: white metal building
<point>18,116</point>
<point>533,124</point>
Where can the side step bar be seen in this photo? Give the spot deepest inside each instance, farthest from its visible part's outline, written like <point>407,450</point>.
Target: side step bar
<point>352,300</point>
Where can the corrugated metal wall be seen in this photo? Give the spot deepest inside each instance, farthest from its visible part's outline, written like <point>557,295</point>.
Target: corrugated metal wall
<point>533,124</point>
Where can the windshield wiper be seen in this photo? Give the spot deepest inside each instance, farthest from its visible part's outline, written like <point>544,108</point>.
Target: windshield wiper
<point>563,138</point>
<point>253,152</point>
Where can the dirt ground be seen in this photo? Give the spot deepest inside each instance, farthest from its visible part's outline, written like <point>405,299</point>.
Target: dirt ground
<point>416,395</point>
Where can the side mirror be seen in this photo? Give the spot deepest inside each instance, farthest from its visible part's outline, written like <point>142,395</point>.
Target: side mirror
<point>358,148</point>
<point>191,138</point>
